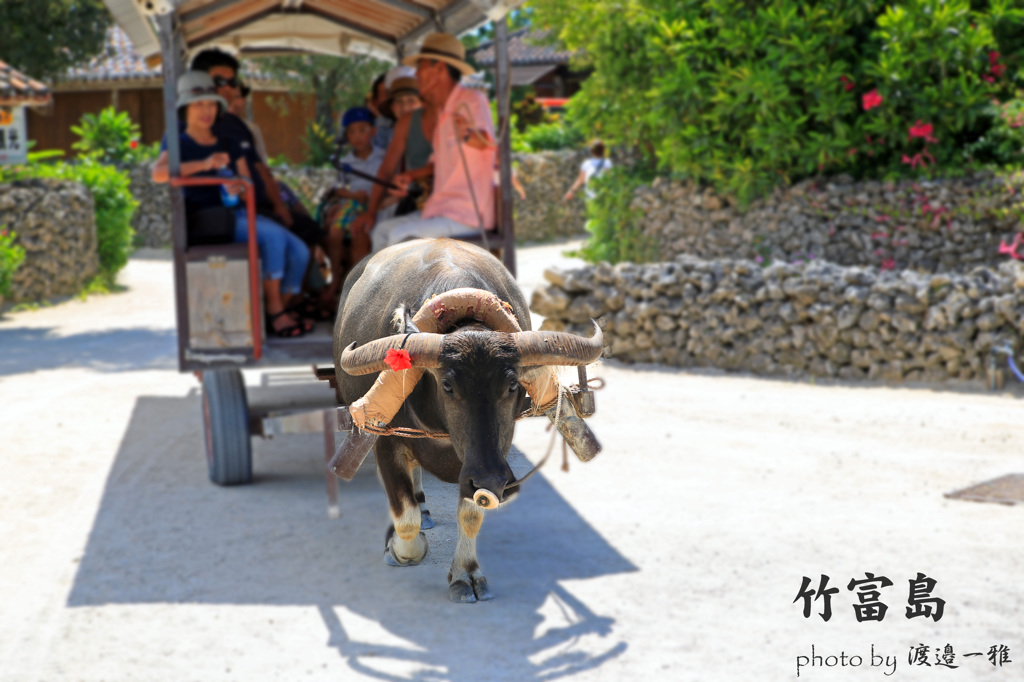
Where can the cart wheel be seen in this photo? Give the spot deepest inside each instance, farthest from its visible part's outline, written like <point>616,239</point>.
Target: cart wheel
<point>226,426</point>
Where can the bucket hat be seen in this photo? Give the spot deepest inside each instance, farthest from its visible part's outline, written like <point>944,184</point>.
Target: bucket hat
<point>194,86</point>
<point>444,47</point>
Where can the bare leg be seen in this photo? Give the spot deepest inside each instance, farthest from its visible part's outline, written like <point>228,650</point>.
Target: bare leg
<point>466,582</point>
<point>360,247</point>
<point>336,253</point>
<point>276,303</point>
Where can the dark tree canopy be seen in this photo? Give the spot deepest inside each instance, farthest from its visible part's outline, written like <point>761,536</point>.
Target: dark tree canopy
<point>42,38</point>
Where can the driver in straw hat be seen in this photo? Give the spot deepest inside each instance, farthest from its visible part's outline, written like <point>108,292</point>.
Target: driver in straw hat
<point>464,151</point>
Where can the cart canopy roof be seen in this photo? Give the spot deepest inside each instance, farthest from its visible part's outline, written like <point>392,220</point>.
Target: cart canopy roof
<point>385,29</point>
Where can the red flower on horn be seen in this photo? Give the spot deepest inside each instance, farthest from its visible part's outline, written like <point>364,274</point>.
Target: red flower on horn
<point>398,360</point>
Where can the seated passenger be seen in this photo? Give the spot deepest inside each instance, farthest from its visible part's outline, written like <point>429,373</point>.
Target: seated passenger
<point>462,202</point>
<point>203,154</point>
<point>350,198</point>
<point>271,201</point>
<point>409,152</point>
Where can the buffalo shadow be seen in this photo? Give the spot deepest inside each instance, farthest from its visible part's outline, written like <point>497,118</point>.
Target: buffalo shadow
<point>164,534</point>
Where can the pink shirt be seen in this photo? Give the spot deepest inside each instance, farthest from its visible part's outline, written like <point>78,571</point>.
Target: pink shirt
<point>451,198</point>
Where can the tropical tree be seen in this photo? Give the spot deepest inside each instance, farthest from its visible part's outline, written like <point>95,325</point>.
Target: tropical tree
<point>42,38</point>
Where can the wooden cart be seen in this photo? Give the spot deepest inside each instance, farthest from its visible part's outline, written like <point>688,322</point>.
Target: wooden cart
<point>218,294</point>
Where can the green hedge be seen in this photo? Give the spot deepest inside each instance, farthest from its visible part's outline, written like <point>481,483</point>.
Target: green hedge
<point>114,204</point>
<point>746,95</point>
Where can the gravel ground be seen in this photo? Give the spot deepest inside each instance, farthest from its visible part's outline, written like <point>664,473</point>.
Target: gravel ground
<point>677,554</point>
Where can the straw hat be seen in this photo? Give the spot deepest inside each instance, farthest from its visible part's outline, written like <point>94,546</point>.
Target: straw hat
<point>444,47</point>
<point>194,86</point>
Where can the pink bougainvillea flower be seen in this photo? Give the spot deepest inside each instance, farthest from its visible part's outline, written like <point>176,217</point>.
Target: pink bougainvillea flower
<point>847,83</point>
<point>871,100</point>
<point>888,264</point>
<point>398,360</point>
<point>998,70</point>
<point>993,57</point>
<point>921,130</point>
<point>988,79</point>
<point>879,235</point>
<point>853,151</point>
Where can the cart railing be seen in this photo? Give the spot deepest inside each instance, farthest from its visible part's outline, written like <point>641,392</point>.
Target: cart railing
<point>255,292</point>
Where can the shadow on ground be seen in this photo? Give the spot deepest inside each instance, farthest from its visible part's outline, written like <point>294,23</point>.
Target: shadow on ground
<point>30,349</point>
<point>164,534</point>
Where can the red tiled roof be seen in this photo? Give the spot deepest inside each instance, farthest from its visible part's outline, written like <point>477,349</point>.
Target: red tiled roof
<point>524,47</point>
<point>119,61</point>
<point>17,89</point>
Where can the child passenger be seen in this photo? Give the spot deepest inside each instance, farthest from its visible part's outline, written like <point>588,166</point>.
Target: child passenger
<point>352,195</point>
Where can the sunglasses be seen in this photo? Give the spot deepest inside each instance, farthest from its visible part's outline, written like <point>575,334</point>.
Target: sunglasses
<point>203,91</point>
<point>220,81</point>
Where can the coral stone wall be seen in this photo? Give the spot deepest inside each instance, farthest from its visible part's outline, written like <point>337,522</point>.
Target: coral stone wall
<point>152,219</point>
<point>546,177</point>
<point>56,225</point>
<point>937,226</point>
<point>814,318</point>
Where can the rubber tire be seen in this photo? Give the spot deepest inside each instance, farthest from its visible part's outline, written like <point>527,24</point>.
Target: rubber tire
<point>226,427</point>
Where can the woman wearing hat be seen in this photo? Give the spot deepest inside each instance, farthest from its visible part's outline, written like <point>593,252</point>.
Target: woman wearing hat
<point>284,256</point>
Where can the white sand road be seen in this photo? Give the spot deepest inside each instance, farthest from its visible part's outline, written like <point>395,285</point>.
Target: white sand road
<point>675,555</point>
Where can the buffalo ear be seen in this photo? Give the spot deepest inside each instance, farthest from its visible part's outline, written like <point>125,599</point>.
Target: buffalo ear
<point>402,320</point>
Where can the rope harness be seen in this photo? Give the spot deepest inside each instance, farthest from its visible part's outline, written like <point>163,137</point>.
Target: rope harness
<point>595,384</point>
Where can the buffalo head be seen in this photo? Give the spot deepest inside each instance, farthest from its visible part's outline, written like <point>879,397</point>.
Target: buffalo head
<point>477,379</point>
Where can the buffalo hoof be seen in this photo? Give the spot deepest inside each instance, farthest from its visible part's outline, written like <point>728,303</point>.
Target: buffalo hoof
<point>391,558</point>
<point>426,523</point>
<point>462,592</point>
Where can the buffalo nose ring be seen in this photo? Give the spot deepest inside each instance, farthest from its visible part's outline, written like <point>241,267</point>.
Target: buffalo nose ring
<point>485,499</point>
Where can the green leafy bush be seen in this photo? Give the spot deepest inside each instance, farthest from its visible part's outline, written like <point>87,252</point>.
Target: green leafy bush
<point>614,224</point>
<point>548,137</point>
<point>112,137</point>
<point>11,257</point>
<point>319,145</point>
<point>745,95</point>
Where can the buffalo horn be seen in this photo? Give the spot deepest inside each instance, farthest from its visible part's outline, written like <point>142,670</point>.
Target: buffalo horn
<point>558,348</point>
<point>424,350</point>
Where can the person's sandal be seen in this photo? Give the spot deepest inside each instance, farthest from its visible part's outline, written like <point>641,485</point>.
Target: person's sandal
<point>289,332</point>
<point>313,310</point>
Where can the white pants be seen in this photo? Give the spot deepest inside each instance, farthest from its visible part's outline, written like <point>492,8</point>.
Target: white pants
<point>415,226</point>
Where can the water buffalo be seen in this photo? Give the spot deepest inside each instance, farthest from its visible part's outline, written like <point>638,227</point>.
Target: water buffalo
<point>475,366</point>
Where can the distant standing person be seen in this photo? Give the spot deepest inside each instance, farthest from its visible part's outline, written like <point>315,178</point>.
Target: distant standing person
<point>592,168</point>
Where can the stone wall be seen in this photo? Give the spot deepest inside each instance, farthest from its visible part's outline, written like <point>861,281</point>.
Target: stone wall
<point>56,225</point>
<point>814,318</point>
<point>152,219</point>
<point>947,225</point>
<point>546,177</point>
